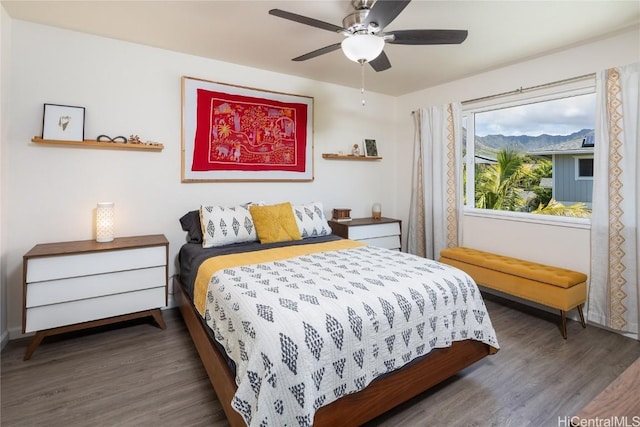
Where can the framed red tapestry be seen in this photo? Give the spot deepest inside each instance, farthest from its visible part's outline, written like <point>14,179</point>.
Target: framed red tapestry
<point>236,133</point>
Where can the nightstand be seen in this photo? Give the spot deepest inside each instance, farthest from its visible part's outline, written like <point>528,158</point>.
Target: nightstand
<point>70,286</point>
<point>383,232</point>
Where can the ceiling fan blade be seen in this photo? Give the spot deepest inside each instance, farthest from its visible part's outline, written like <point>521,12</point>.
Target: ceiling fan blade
<point>385,11</point>
<point>422,37</point>
<point>306,20</point>
<point>317,52</point>
<point>381,63</point>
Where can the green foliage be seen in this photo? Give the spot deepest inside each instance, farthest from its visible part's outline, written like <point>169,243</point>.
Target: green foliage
<point>543,169</point>
<point>506,184</point>
<point>498,186</point>
<point>577,210</point>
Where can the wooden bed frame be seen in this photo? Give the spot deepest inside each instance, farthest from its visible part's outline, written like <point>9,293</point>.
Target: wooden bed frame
<point>354,409</point>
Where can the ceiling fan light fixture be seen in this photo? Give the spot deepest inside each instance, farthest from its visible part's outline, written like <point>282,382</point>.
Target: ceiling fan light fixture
<point>362,47</point>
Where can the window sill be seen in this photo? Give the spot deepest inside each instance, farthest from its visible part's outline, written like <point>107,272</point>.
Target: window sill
<point>552,220</point>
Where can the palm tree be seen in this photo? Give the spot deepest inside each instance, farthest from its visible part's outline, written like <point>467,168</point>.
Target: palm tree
<point>498,185</point>
<point>502,186</point>
<point>577,210</point>
<point>543,169</point>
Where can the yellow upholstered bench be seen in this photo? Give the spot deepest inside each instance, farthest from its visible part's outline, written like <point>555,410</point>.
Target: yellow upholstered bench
<point>551,286</point>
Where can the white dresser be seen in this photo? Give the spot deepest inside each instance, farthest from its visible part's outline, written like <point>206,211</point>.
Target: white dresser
<point>75,285</point>
<point>383,232</point>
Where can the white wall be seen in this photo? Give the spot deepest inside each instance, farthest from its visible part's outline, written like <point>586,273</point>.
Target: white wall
<point>568,247</point>
<point>5,37</point>
<point>132,89</point>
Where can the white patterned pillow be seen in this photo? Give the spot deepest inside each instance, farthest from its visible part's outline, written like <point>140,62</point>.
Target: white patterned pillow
<point>223,226</point>
<point>311,220</point>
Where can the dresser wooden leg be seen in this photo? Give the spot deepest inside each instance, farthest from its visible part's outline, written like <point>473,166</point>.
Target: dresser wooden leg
<point>35,342</point>
<point>37,339</point>
<point>157,316</point>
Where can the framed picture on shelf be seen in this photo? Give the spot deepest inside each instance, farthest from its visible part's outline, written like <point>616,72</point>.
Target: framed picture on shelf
<point>237,133</point>
<point>370,148</point>
<point>63,122</point>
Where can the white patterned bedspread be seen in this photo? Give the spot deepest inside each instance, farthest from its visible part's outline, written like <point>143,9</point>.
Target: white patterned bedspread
<point>307,330</point>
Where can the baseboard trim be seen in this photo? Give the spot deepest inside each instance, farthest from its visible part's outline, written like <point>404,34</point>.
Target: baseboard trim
<point>4,339</point>
<point>16,333</point>
<point>171,303</point>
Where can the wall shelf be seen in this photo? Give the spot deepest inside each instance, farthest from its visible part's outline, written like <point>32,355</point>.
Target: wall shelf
<point>348,157</point>
<point>92,143</point>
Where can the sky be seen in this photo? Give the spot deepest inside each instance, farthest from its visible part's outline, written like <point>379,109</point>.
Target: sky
<point>558,117</point>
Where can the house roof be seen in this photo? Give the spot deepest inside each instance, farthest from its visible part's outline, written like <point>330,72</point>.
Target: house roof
<point>575,146</point>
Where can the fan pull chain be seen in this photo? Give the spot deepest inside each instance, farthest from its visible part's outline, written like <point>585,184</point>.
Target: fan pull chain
<point>362,81</point>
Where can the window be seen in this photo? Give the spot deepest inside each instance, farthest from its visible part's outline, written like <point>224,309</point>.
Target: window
<point>526,153</point>
<point>584,167</point>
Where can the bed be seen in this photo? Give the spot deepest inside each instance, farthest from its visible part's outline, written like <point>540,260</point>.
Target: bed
<point>322,330</point>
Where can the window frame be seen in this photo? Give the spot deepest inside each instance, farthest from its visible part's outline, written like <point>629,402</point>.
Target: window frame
<point>533,95</point>
<point>577,159</point>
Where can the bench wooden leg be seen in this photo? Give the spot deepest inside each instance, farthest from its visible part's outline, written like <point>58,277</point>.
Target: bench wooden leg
<point>563,315</point>
<point>584,325</point>
<point>563,327</point>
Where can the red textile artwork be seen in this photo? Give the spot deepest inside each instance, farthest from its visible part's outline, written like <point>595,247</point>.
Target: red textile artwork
<point>236,132</point>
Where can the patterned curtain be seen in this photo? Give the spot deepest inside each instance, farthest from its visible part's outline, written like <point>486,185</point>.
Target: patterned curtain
<point>615,224</point>
<point>436,202</point>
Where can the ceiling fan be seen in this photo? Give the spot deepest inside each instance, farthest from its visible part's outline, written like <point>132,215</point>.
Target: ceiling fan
<point>365,35</point>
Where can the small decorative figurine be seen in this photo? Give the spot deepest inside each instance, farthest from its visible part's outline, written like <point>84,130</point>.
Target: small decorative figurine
<point>341,214</point>
<point>356,150</point>
<point>133,139</point>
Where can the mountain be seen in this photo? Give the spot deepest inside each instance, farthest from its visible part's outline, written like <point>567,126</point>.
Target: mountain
<point>525,143</point>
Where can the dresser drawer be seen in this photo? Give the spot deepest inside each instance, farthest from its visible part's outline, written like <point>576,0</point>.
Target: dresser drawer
<point>72,312</point>
<point>389,242</point>
<point>77,288</point>
<point>65,266</point>
<point>374,230</point>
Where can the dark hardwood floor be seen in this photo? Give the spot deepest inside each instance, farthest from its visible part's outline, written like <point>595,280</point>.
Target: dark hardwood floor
<point>139,375</point>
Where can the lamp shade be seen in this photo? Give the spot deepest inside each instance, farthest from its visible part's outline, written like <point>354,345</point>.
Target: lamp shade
<point>105,216</point>
<point>376,211</point>
<point>362,47</point>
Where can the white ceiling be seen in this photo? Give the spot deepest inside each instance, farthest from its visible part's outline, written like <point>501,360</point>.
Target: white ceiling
<point>242,32</point>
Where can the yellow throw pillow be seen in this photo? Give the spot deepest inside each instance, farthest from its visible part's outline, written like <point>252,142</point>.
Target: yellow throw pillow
<point>275,223</point>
